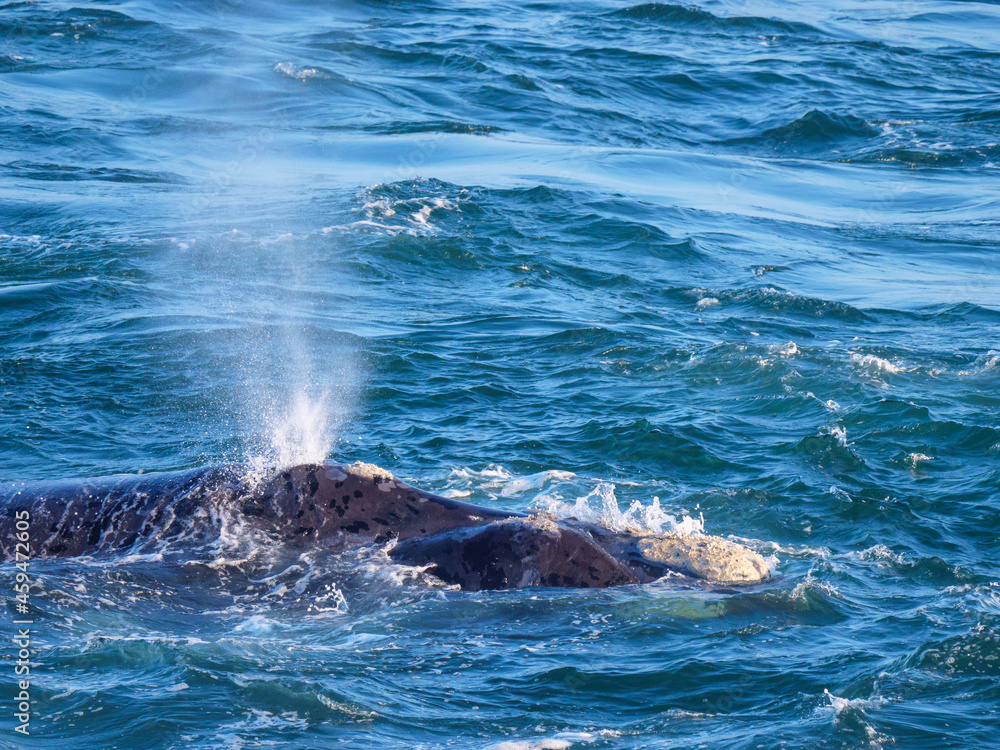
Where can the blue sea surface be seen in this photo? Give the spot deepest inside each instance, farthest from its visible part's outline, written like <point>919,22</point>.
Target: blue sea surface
<point>731,266</point>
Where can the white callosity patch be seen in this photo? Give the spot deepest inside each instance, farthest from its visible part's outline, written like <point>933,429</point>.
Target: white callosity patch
<point>369,471</point>
<point>708,557</point>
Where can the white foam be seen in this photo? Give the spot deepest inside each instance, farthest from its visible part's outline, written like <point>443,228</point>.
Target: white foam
<point>558,741</point>
<point>133,559</point>
<point>983,364</point>
<point>838,705</point>
<point>294,71</point>
<point>706,302</point>
<point>989,598</point>
<point>493,471</point>
<point>839,432</point>
<point>872,363</point>
<point>256,721</point>
<point>914,459</point>
<point>792,549</point>
<point>346,708</point>
<point>375,564</point>
<point>880,554</point>
<point>840,493</point>
<point>414,212</point>
<point>534,481</point>
<point>256,625</point>
<point>601,506</point>
<point>380,208</point>
<point>98,637</point>
<point>332,601</point>
<point>813,584</point>
<point>786,350</point>
<point>490,480</point>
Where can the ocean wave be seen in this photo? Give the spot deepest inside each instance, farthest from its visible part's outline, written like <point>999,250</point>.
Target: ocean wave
<point>975,653</point>
<point>984,364</point>
<point>875,366</point>
<point>927,568</point>
<point>72,173</point>
<point>830,449</point>
<point>301,73</point>
<point>773,301</point>
<point>739,259</point>
<point>814,132</point>
<point>683,15</point>
<point>395,209</point>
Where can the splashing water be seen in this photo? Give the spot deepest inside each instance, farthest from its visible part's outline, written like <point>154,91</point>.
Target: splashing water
<point>601,506</point>
<point>302,434</point>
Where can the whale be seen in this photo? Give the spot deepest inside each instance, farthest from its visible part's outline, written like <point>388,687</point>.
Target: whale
<point>337,505</point>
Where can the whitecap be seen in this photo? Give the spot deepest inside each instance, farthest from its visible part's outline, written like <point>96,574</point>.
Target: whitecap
<point>836,431</point>
<point>786,350</point>
<point>294,71</point>
<point>914,459</point>
<point>874,364</point>
<point>838,705</point>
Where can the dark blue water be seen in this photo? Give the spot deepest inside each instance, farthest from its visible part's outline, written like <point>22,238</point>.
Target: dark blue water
<point>741,257</point>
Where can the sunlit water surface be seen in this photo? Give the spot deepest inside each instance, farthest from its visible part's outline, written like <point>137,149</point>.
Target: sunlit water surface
<point>734,261</point>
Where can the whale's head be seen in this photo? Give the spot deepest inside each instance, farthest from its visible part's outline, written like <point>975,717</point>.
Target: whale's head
<point>314,502</point>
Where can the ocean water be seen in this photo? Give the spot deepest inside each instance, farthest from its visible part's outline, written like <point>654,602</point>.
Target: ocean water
<point>732,262</point>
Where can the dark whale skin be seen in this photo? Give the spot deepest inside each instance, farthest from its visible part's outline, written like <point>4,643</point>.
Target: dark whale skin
<point>332,504</point>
